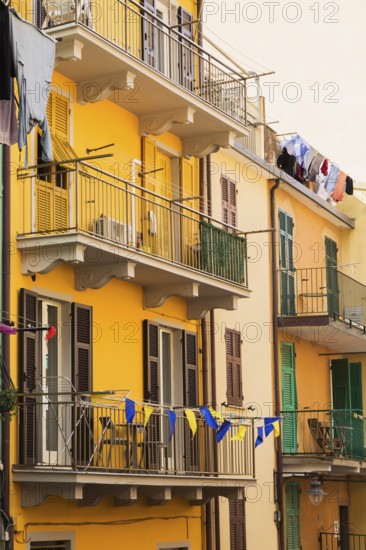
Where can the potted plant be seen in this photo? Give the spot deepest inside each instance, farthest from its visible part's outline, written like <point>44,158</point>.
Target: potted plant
<point>8,400</point>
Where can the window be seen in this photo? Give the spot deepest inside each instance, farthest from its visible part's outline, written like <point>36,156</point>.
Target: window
<point>293,540</point>
<point>228,199</point>
<point>237,525</point>
<point>51,545</point>
<point>170,377</point>
<point>52,187</point>
<point>233,367</point>
<point>287,269</point>
<point>289,398</point>
<point>47,369</point>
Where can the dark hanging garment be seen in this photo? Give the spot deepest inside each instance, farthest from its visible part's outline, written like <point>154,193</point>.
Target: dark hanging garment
<point>5,53</point>
<point>287,163</point>
<point>349,185</point>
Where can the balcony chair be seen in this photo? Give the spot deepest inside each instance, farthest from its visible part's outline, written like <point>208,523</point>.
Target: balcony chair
<point>110,437</point>
<point>321,434</point>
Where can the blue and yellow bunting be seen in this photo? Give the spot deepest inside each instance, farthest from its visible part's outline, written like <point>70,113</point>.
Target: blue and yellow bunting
<point>130,410</point>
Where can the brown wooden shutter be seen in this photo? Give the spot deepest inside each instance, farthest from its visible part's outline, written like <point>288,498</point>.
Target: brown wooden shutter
<point>186,59</point>
<point>228,199</point>
<point>237,525</point>
<point>151,361</point>
<point>82,335</point>
<point>151,392</point>
<point>82,319</point>
<point>190,369</point>
<point>233,368</point>
<point>29,376</point>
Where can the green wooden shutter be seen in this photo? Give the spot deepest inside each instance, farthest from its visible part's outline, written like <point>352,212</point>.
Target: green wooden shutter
<point>340,384</point>
<point>357,424</point>
<point>356,387</point>
<point>29,375</point>
<point>293,538</point>
<point>287,276</point>
<point>331,261</point>
<point>289,398</point>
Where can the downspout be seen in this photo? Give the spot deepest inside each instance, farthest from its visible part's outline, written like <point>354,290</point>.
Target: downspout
<point>276,365</point>
<point>5,306</point>
<point>213,359</point>
<point>205,376</point>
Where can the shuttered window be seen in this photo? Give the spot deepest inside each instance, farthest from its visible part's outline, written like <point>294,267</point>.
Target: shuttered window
<point>237,525</point>
<point>51,545</point>
<point>293,538</point>
<point>81,347</point>
<point>233,367</point>
<point>186,58</point>
<point>287,274</point>
<point>289,398</point>
<point>229,203</point>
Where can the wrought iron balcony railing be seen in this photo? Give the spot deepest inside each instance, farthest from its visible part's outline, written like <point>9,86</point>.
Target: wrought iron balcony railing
<point>322,291</point>
<point>75,197</point>
<point>143,35</point>
<point>73,432</point>
<point>338,433</point>
<point>335,541</point>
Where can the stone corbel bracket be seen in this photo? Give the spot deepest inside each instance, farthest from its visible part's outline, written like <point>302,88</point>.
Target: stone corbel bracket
<point>68,50</point>
<point>198,307</point>
<point>97,276</point>
<point>156,295</point>
<point>92,91</point>
<point>158,123</point>
<point>201,146</point>
<point>43,258</point>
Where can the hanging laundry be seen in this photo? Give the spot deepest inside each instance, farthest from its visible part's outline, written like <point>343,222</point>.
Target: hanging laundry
<point>315,165</point>
<point>33,57</point>
<point>332,177</point>
<point>287,162</point>
<point>6,69</point>
<point>349,185</point>
<point>340,187</point>
<point>308,159</point>
<point>325,167</point>
<point>298,147</point>
<point>8,120</point>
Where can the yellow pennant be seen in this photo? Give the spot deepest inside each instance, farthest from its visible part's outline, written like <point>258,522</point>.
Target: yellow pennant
<point>276,428</point>
<point>216,414</point>
<point>147,412</point>
<point>240,435</point>
<point>192,421</point>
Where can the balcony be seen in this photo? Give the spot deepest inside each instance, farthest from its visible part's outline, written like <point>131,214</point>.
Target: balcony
<point>323,305</point>
<point>336,540</point>
<point>107,227</point>
<point>81,448</point>
<point>330,440</point>
<point>123,52</point>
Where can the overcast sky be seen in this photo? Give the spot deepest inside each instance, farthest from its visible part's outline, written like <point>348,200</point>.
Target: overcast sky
<point>318,53</point>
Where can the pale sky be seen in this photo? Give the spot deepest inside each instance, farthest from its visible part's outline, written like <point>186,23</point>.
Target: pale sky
<point>318,53</point>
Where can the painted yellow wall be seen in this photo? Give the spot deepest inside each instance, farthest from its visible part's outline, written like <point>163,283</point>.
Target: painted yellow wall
<point>354,250</point>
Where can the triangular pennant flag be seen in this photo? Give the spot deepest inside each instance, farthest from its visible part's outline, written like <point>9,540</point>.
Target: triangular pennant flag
<point>209,419</point>
<point>276,426</point>
<point>147,413</point>
<point>130,410</point>
<point>240,435</point>
<point>216,414</point>
<point>225,427</point>
<point>192,421</point>
<point>260,436</point>
<point>172,416</point>
<point>269,424</point>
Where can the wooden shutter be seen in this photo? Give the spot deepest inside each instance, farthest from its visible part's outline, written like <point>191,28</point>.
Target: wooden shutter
<point>152,392</point>
<point>82,335</point>
<point>340,384</point>
<point>331,252</point>
<point>233,367</point>
<point>82,319</point>
<point>355,375</point>
<point>237,524</point>
<point>229,202</point>
<point>286,236</point>
<point>151,361</point>
<point>190,369</point>
<point>289,398</point>
<point>331,261</point>
<point>186,58</point>
<point>29,376</point>
<point>149,32</point>
<point>293,538</point>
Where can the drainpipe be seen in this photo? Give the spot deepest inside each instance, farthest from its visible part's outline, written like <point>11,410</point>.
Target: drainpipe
<point>279,472</point>
<point>5,253</point>
<point>213,358</point>
<point>206,381</point>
